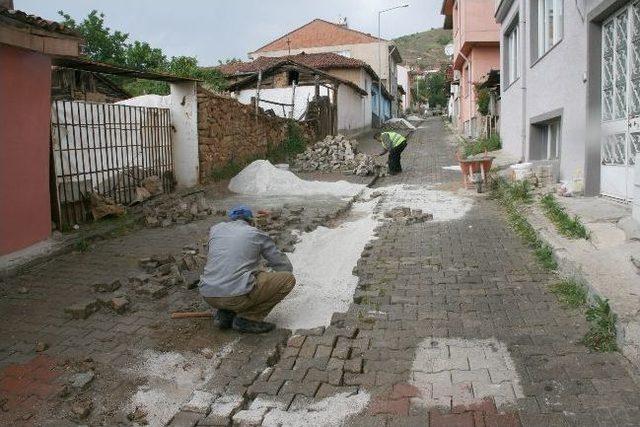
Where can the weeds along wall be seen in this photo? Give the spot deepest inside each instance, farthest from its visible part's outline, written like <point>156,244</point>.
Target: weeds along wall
<point>231,135</point>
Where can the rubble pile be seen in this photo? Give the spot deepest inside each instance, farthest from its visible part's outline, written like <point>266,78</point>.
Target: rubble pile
<point>408,215</point>
<point>336,153</point>
<point>160,273</point>
<point>277,224</point>
<point>176,209</point>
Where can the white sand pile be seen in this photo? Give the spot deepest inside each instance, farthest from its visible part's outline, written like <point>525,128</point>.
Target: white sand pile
<point>399,123</point>
<point>323,265</point>
<point>261,178</point>
<point>331,411</point>
<point>444,205</point>
<point>171,380</point>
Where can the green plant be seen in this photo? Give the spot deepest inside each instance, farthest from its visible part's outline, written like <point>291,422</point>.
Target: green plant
<point>602,331</point>
<point>491,143</point>
<point>103,44</point>
<point>483,99</point>
<point>82,244</point>
<point>567,226</point>
<point>510,195</point>
<point>570,293</point>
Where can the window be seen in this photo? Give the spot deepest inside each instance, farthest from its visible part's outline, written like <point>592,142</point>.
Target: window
<point>292,77</point>
<point>545,144</point>
<point>550,17</point>
<point>467,82</point>
<point>512,59</point>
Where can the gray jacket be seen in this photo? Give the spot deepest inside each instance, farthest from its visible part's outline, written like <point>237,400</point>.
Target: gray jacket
<point>234,255</point>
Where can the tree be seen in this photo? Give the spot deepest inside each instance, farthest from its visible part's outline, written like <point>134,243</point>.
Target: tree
<point>104,45</point>
<point>433,89</point>
<point>100,43</point>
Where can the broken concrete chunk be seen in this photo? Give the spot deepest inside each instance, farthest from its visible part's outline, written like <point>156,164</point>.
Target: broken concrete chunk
<point>23,290</point>
<point>102,206</point>
<point>138,416</point>
<point>151,221</point>
<point>156,291</point>
<point>82,310</point>
<point>82,408</point>
<point>191,279</point>
<point>107,287</point>
<point>41,346</point>
<point>140,195</point>
<point>81,380</point>
<point>119,304</point>
<point>153,184</point>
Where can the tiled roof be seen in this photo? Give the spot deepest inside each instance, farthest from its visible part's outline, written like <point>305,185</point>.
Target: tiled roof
<point>321,61</point>
<point>37,22</point>
<point>318,33</point>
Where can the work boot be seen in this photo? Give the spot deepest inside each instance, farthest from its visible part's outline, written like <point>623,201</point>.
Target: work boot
<point>223,319</point>
<point>241,324</point>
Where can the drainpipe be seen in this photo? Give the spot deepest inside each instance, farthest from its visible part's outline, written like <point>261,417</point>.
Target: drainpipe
<point>523,76</point>
<point>468,61</point>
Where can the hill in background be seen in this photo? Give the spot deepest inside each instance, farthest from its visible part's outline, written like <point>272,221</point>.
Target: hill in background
<point>427,45</point>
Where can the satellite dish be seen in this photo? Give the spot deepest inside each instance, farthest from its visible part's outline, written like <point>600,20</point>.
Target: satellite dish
<point>448,49</point>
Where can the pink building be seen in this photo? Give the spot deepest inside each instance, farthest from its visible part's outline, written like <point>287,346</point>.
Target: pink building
<point>476,46</point>
<point>27,44</point>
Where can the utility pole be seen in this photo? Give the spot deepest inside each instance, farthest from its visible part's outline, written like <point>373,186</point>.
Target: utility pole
<point>380,12</point>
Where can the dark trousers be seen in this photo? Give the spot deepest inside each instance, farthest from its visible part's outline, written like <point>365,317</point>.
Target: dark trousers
<point>394,158</point>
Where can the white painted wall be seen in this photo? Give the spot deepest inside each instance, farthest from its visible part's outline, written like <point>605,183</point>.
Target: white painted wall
<point>403,79</point>
<point>354,110</point>
<point>183,104</point>
<point>511,97</point>
<point>303,95</point>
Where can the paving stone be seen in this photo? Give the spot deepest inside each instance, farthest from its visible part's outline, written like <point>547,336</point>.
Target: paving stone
<point>185,419</point>
<point>200,402</point>
<point>82,310</point>
<point>152,289</point>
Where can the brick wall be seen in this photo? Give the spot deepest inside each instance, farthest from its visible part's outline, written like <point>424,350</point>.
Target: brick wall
<point>229,131</point>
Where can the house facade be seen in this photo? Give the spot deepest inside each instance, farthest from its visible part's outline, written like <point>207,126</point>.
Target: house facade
<point>570,89</point>
<point>284,79</point>
<point>320,36</point>
<point>27,44</point>
<point>476,52</point>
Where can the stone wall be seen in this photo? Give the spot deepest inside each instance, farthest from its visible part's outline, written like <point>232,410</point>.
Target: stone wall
<point>229,131</point>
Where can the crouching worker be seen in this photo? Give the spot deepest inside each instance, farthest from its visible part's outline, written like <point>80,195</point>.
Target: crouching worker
<point>394,144</point>
<point>232,281</point>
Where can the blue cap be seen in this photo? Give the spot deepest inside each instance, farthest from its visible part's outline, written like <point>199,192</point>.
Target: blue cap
<point>240,211</point>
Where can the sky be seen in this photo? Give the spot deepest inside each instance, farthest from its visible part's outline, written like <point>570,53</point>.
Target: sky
<point>215,30</point>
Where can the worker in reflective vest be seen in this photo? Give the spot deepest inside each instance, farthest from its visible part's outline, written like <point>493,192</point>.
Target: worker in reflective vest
<point>394,144</point>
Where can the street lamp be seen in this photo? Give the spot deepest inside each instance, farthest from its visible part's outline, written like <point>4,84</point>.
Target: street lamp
<point>380,12</point>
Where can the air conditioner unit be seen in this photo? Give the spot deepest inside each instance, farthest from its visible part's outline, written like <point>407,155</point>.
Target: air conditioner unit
<point>456,75</point>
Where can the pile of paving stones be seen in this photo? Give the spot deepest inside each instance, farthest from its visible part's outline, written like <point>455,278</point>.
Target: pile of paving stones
<point>173,209</point>
<point>408,215</point>
<point>336,153</point>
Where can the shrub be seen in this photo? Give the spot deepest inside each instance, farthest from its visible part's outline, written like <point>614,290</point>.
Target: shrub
<point>491,143</point>
<point>567,226</point>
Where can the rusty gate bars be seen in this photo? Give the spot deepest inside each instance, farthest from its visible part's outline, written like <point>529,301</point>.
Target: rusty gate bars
<point>107,149</point>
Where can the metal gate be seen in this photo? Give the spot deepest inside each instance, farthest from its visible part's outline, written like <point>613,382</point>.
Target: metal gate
<point>620,101</point>
<point>106,149</point>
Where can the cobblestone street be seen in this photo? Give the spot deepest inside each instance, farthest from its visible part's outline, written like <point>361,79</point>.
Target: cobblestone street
<point>452,324</point>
